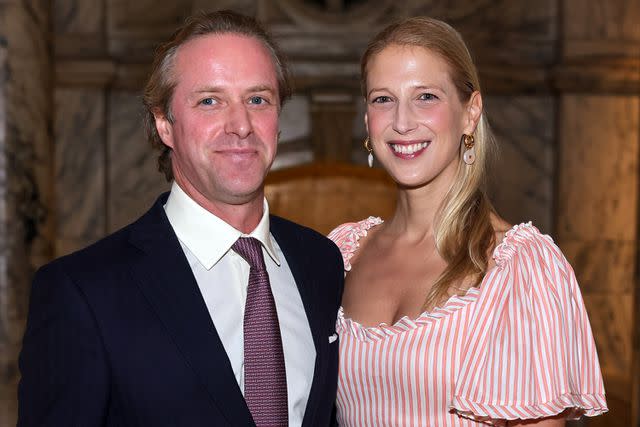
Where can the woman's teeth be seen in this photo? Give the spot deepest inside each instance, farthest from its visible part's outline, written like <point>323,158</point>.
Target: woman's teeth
<point>409,149</point>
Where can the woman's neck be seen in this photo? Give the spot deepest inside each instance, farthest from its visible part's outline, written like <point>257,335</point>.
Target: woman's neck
<point>416,211</point>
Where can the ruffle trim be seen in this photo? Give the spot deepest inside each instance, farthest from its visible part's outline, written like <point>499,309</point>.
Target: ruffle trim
<point>503,252</point>
<point>377,333</point>
<point>491,414</point>
<point>514,238</point>
<point>357,230</point>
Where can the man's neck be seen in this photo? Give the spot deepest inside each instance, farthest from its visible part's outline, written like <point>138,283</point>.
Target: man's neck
<point>243,215</point>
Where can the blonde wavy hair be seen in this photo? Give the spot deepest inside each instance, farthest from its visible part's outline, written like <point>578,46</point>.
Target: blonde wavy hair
<point>464,234</point>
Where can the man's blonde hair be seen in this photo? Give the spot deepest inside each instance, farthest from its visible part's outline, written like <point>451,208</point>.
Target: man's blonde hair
<point>158,91</point>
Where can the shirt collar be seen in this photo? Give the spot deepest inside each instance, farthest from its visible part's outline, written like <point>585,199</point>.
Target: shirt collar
<point>208,237</point>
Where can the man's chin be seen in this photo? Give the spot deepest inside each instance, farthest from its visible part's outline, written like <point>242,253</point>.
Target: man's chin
<point>242,196</point>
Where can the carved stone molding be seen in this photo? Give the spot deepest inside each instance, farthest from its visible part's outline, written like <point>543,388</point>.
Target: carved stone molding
<point>330,15</point>
<point>612,76</point>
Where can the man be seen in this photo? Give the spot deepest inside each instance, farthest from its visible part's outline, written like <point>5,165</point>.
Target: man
<point>206,310</point>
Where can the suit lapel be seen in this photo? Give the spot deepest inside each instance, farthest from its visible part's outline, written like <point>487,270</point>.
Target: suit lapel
<point>299,261</point>
<point>165,278</point>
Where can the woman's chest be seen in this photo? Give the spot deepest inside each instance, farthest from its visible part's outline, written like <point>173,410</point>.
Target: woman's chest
<point>388,289</point>
<point>423,352</point>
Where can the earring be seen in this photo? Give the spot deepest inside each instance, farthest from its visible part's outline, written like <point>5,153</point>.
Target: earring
<point>369,148</point>
<point>469,155</point>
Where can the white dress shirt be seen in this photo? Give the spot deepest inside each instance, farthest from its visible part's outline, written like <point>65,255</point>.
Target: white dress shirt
<point>223,277</point>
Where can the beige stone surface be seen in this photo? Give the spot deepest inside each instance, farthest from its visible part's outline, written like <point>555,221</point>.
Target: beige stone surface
<point>598,167</point>
<point>133,179</point>
<point>611,321</point>
<point>598,175</point>
<point>25,177</point>
<point>521,177</point>
<point>79,17</point>
<point>80,168</point>
<point>597,206</point>
<point>612,324</point>
<point>598,20</point>
<point>332,118</point>
<point>603,266</point>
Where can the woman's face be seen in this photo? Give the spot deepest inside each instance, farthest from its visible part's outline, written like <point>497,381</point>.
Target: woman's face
<point>414,116</point>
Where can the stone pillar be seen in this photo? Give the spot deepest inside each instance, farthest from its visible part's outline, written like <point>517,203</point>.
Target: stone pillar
<point>332,118</point>
<point>598,171</point>
<point>25,175</point>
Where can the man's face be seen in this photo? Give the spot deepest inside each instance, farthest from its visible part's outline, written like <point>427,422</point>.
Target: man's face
<point>225,108</point>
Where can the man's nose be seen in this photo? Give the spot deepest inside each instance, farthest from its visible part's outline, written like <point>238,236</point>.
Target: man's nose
<point>238,120</point>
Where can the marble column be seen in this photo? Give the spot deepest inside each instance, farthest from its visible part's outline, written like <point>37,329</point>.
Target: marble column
<point>25,175</point>
<point>332,116</point>
<point>598,173</point>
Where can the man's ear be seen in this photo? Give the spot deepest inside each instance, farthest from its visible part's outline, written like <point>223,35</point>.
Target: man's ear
<point>164,128</point>
<point>474,112</point>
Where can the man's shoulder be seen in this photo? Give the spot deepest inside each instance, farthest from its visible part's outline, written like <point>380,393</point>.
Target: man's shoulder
<point>111,244</point>
<point>106,253</point>
<point>314,251</point>
<point>97,259</point>
<point>281,225</point>
<point>307,238</point>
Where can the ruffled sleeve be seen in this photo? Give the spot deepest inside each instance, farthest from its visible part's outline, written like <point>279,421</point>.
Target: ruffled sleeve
<point>530,351</point>
<point>346,237</point>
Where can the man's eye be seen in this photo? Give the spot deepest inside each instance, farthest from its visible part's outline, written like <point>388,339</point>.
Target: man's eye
<point>207,101</point>
<point>258,100</point>
<point>381,99</point>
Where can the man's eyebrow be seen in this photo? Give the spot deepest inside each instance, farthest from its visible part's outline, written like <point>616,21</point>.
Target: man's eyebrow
<point>208,89</point>
<point>257,88</point>
<point>262,88</point>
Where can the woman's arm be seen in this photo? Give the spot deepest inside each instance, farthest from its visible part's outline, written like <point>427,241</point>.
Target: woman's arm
<point>557,421</point>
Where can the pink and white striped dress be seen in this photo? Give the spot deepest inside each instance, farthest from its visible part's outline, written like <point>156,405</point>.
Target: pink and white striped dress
<point>519,346</point>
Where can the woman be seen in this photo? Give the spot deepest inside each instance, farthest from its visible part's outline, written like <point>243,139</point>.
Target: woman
<point>451,317</point>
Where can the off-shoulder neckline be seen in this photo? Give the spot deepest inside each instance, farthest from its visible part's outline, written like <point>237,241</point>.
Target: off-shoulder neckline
<point>502,253</point>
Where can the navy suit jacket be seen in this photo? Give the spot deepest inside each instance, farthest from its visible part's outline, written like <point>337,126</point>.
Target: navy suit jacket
<point>118,334</point>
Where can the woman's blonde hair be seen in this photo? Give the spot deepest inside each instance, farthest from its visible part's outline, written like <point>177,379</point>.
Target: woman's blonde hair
<point>463,230</point>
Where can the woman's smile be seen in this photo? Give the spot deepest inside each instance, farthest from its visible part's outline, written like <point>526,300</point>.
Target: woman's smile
<point>408,149</point>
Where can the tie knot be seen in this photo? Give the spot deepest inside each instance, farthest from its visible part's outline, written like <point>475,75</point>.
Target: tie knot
<point>250,249</point>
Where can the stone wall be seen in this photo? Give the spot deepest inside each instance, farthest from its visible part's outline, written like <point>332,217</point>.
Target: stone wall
<point>562,90</point>
<point>26,192</point>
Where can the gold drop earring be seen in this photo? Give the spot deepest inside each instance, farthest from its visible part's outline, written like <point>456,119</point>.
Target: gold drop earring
<point>469,155</point>
<point>369,148</point>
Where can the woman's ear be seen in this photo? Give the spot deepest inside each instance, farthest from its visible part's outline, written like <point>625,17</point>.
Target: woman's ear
<point>366,123</point>
<point>473,113</point>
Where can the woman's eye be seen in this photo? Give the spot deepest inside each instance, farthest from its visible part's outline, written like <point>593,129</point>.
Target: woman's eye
<point>427,97</point>
<point>381,99</point>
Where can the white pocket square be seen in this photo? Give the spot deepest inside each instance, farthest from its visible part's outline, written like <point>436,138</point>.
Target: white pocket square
<point>333,338</point>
